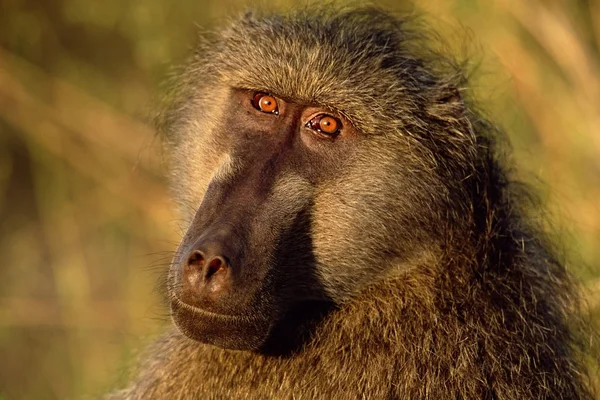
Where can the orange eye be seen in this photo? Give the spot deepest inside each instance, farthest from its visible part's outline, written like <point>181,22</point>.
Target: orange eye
<point>265,103</point>
<point>325,124</point>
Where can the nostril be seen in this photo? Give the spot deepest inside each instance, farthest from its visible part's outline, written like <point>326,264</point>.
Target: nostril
<point>196,259</point>
<point>192,271</point>
<point>215,265</point>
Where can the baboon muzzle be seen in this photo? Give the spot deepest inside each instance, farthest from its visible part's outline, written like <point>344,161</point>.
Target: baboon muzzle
<point>222,284</point>
<point>219,291</point>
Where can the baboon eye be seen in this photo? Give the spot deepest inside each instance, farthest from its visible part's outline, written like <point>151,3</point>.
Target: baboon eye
<point>265,103</point>
<point>326,125</point>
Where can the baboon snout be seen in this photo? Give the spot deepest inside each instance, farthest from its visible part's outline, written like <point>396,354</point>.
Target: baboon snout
<point>204,271</point>
<point>206,275</point>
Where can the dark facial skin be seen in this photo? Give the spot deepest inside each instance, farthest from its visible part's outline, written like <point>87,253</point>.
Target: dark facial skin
<point>247,257</point>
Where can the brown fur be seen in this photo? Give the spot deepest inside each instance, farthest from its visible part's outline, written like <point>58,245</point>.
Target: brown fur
<point>439,286</point>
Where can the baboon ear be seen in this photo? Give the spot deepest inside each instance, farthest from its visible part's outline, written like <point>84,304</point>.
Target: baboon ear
<point>446,105</point>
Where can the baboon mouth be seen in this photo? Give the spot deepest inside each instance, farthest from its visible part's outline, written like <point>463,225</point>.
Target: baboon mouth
<point>237,332</point>
<point>205,313</point>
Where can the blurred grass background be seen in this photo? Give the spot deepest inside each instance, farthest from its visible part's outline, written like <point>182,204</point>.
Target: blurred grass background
<point>85,220</point>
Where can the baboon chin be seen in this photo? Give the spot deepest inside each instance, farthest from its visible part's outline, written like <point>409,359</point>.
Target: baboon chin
<point>353,231</point>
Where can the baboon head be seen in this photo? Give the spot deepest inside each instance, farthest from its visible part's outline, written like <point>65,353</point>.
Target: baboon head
<point>314,154</point>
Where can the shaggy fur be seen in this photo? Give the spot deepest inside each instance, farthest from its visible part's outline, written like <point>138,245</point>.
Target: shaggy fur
<point>452,294</point>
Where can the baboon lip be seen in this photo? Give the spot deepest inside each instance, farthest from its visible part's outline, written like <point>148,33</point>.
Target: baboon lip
<point>236,332</point>
<point>177,302</point>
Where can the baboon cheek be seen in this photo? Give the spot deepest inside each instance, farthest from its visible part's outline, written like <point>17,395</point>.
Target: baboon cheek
<point>344,255</point>
<point>360,233</point>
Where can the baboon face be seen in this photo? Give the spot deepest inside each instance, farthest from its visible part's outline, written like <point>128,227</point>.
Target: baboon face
<point>289,201</point>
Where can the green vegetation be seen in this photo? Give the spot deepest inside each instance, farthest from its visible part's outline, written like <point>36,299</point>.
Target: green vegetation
<point>85,220</point>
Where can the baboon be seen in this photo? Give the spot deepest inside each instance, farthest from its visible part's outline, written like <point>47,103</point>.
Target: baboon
<point>353,229</point>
